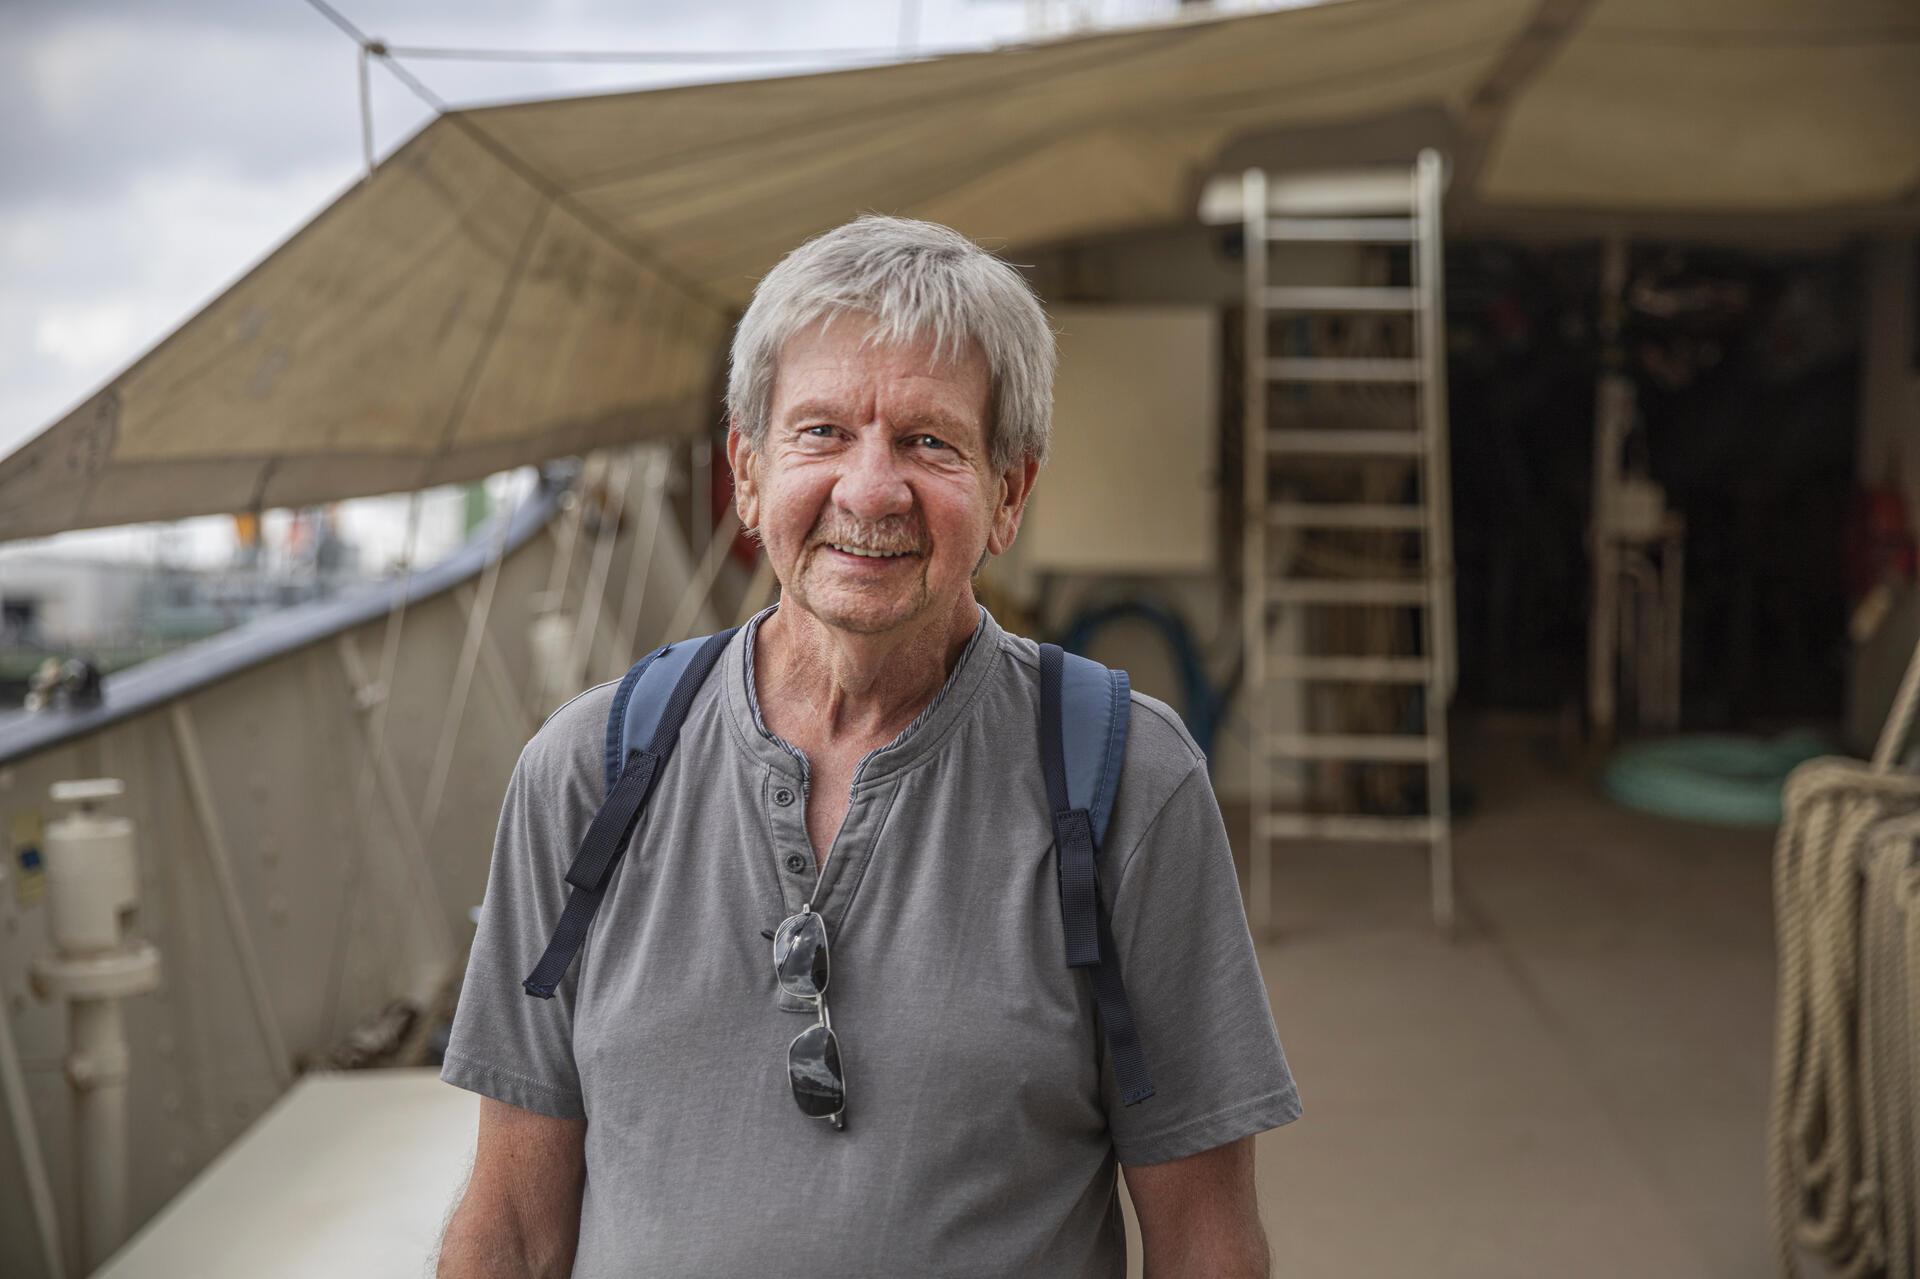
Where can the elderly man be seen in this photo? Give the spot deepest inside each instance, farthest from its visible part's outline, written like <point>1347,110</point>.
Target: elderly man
<point>866,750</point>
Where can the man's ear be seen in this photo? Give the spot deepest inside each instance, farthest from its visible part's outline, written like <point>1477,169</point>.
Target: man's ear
<point>1016,486</point>
<point>741,459</point>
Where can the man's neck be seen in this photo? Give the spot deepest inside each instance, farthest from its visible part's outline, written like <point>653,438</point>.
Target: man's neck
<point>848,687</point>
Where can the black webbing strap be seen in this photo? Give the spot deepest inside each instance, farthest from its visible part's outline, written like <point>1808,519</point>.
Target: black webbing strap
<point>1116,1018</point>
<point>1083,915</point>
<point>606,836</point>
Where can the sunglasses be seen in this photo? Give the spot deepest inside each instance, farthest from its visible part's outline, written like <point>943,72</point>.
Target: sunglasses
<point>813,1058</point>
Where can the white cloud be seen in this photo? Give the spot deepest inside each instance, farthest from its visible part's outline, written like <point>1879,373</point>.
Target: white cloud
<point>67,67</point>
<point>88,335</point>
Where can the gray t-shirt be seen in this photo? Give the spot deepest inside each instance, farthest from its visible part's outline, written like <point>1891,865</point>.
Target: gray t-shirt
<point>983,1124</point>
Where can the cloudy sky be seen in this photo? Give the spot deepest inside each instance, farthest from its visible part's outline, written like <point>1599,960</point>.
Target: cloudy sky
<point>153,151</point>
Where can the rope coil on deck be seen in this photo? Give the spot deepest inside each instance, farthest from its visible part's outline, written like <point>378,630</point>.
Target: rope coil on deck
<point>1843,1151</point>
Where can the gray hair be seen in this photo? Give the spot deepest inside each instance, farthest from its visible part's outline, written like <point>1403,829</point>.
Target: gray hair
<point>916,280</point>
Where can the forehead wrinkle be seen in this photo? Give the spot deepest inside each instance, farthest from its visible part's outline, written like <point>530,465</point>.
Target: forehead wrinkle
<point>877,353</point>
<point>817,408</point>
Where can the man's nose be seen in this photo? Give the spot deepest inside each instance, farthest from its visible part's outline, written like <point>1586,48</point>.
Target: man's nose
<point>873,482</point>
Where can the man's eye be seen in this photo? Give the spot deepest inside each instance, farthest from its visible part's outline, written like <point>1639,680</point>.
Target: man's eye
<point>822,426</point>
<point>936,439</point>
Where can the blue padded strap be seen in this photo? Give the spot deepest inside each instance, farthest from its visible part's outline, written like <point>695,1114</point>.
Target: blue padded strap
<point>1093,720</point>
<point>640,713</point>
<point>1073,842</point>
<point>617,717</point>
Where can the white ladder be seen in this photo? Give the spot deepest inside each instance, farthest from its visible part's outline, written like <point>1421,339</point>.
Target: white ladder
<point>1399,208</point>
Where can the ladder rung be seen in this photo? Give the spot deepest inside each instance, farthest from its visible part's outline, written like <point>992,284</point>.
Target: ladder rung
<point>1359,191</point>
<point>1349,826</point>
<point>1302,298</point>
<point>1392,442</point>
<point>1392,747</point>
<point>1354,230</point>
<point>1224,198</point>
<point>1380,670</point>
<point>1306,590</point>
<point>1345,515</point>
<point>1308,369</point>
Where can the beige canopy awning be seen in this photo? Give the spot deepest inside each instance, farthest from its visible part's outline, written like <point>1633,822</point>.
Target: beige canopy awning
<point>525,281</point>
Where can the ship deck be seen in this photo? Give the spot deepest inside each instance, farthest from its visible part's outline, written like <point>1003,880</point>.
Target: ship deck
<point>1575,1085</point>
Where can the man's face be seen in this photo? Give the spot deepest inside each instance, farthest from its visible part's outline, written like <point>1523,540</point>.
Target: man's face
<point>878,448</point>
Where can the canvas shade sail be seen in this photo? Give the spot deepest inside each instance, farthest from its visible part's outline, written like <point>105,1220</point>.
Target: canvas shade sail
<point>525,281</point>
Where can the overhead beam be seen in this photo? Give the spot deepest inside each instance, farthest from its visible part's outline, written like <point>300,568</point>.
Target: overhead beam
<point>1526,55</point>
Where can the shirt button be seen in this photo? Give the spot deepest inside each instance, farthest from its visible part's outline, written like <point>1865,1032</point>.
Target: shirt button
<point>783,797</point>
<point>796,863</point>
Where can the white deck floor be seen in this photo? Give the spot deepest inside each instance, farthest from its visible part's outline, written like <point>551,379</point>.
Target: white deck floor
<point>1575,1086</point>
<point>348,1174</point>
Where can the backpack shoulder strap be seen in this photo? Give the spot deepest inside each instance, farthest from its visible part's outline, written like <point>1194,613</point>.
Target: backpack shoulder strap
<point>1083,741</point>
<point>1094,705</point>
<point>643,726</point>
<point>645,695</point>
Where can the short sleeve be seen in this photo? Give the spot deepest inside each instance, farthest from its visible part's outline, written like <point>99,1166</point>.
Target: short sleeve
<point>1194,983</point>
<point>505,1043</point>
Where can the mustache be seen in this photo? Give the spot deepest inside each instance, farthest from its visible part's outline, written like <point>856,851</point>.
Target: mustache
<point>874,541</point>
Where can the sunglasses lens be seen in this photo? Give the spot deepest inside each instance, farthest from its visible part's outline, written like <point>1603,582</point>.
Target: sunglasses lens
<point>800,956</point>
<point>813,1067</point>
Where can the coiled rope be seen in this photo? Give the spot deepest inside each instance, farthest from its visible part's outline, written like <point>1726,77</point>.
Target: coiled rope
<point>1842,1143</point>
